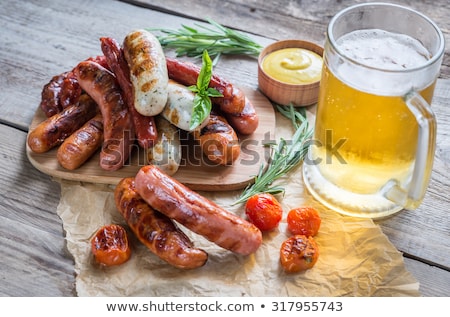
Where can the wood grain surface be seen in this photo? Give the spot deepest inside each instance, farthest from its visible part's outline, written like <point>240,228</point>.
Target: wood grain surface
<point>40,38</point>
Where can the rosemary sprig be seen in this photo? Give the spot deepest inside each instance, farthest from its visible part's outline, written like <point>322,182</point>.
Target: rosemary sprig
<point>284,157</point>
<point>218,40</point>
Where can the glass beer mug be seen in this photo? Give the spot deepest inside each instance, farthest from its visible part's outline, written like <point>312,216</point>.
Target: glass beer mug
<point>374,137</point>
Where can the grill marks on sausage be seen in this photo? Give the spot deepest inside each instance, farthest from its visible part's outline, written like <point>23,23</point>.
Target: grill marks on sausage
<point>155,230</point>
<point>195,212</point>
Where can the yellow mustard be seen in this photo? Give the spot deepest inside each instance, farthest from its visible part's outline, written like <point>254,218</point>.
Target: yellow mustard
<point>293,65</point>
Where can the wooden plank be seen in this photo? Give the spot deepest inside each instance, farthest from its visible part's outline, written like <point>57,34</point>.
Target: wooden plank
<point>34,258</point>
<point>432,279</point>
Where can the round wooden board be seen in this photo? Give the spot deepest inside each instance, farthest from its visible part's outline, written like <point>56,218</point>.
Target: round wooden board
<point>195,171</point>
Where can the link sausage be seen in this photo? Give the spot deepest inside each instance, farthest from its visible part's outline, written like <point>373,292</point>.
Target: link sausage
<point>102,86</point>
<point>144,126</point>
<point>156,231</point>
<point>166,153</point>
<point>218,141</point>
<point>148,71</point>
<point>245,122</point>
<point>60,92</point>
<point>54,130</point>
<point>180,103</point>
<point>195,212</point>
<point>82,144</point>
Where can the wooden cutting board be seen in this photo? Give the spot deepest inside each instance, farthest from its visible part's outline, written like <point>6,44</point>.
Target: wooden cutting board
<point>195,171</point>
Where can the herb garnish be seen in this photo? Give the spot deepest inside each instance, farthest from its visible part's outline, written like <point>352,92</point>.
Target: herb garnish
<point>202,100</point>
<point>218,40</point>
<point>284,157</point>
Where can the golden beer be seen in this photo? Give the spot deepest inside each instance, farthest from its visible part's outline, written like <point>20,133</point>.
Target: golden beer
<point>374,136</point>
<point>377,135</point>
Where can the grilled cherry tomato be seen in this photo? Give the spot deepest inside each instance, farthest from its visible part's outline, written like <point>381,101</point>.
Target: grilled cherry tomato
<point>298,253</point>
<point>304,220</point>
<point>264,211</point>
<point>110,245</point>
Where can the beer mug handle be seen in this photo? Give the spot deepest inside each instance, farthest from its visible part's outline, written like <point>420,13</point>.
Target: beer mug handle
<point>411,196</point>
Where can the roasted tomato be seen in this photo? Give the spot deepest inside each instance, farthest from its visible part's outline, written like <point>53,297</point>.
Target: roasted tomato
<point>264,211</point>
<point>304,220</point>
<point>298,253</point>
<point>110,245</point>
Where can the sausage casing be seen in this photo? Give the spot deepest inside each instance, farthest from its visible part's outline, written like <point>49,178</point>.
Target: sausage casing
<point>144,126</point>
<point>54,130</point>
<point>180,103</point>
<point>156,231</point>
<point>82,144</point>
<point>195,212</point>
<point>218,141</point>
<point>148,71</point>
<point>118,128</point>
<point>166,152</point>
<point>245,122</point>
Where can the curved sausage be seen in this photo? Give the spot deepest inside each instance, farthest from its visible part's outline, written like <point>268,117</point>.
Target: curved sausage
<point>148,71</point>
<point>195,212</point>
<point>218,141</point>
<point>180,103</point>
<point>233,100</point>
<point>245,122</point>
<point>54,130</point>
<point>82,144</point>
<point>102,86</point>
<point>144,126</point>
<point>60,92</point>
<point>156,231</point>
<point>166,153</point>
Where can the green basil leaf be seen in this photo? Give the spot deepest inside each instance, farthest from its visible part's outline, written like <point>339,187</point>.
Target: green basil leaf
<point>202,109</point>
<point>205,73</point>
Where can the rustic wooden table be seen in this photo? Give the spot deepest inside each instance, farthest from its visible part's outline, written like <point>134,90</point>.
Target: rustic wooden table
<point>42,38</point>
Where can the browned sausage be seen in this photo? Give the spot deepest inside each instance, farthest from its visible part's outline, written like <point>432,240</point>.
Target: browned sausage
<point>60,92</point>
<point>54,130</point>
<point>195,212</point>
<point>144,126</point>
<point>82,144</point>
<point>102,86</point>
<point>156,231</point>
<point>245,122</point>
<point>233,100</point>
<point>218,141</point>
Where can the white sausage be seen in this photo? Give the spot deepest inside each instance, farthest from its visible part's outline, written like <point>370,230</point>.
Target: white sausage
<point>166,153</point>
<point>148,71</point>
<point>180,103</point>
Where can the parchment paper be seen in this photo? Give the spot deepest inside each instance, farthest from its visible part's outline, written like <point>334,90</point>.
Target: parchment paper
<point>356,258</point>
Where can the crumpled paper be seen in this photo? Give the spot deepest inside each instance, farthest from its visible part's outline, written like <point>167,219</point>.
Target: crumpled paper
<point>356,258</point>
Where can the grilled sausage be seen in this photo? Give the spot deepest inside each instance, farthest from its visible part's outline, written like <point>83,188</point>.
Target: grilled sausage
<point>245,122</point>
<point>166,153</point>
<point>233,100</point>
<point>148,71</point>
<point>102,86</point>
<point>180,103</point>
<point>144,126</point>
<point>60,92</point>
<point>156,231</point>
<point>82,144</point>
<point>54,130</point>
<point>218,141</point>
<point>195,212</point>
